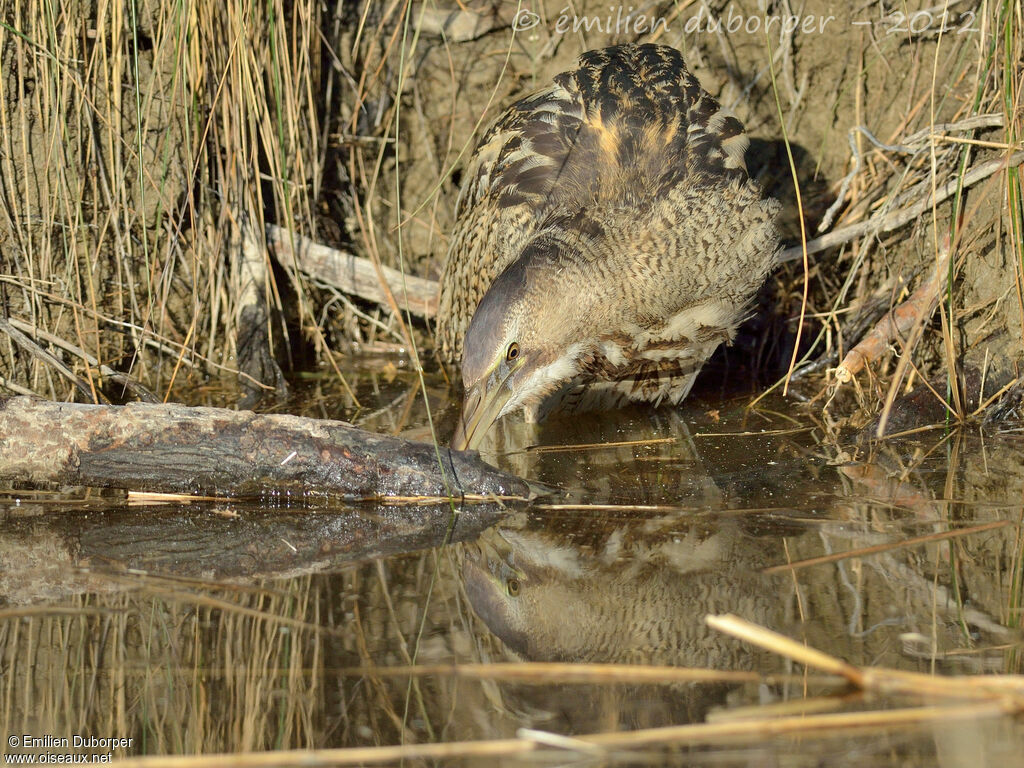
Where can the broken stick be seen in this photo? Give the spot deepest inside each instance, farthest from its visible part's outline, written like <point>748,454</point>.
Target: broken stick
<point>352,274</point>
<point>899,322</point>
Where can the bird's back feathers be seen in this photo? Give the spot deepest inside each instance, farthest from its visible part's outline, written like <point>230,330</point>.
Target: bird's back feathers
<point>629,136</point>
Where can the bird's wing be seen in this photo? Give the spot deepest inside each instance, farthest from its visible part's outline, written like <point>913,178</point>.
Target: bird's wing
<point>508,185</point>
<point>626,128</point>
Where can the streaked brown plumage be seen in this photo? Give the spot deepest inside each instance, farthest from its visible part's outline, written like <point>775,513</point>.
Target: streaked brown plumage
<point>607,241</point>
<point>630,592</point>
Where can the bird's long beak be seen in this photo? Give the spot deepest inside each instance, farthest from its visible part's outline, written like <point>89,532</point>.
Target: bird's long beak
<point>481,407</point>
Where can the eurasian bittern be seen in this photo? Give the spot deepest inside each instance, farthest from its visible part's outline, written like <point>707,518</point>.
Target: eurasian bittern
<point>637,598</point>
<point>608,239</point>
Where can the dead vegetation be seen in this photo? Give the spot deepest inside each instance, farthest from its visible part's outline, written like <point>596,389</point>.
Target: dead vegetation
<point>148,146</point>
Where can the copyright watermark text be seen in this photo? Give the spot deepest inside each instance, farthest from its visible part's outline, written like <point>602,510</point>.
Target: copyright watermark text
<point>626,20</point>
<point>27,749</point>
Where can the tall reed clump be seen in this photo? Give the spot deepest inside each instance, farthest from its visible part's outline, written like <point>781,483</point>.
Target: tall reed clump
<point>144,142</point>
<point>179,671</point>
<point>137,140</point>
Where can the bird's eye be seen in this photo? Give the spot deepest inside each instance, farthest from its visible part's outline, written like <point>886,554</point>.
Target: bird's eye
<point>512,585</point>
<point>513,352</point>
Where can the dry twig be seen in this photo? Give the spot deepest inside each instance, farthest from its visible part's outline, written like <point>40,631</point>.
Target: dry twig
<point>887,222</point>
<point>899,322</point>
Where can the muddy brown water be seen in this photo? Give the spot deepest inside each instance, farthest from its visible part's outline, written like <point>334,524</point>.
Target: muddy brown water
<point>656,519</point>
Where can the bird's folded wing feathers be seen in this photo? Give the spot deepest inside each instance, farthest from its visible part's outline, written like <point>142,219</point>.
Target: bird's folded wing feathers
<point>623,131</point>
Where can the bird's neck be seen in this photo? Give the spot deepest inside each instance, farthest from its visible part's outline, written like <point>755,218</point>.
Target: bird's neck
<point>558,249</point>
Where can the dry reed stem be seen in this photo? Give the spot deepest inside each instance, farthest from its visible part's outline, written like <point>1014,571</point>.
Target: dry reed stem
<point>808,705</point>
<point>660,509</point>
<point>681,735</point>
<point>146,497</point>
<point>467,498</point>
<point>614,508</point>
<point>1006,691</point>
<point>916,541</point>
<point>783,646</point>
<point>592,446</point>
<point>757,433</point>
<point>543,673</point>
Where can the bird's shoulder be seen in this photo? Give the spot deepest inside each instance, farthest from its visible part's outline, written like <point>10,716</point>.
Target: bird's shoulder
<point>630,123</point>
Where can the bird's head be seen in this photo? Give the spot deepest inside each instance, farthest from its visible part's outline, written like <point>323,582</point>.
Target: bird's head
<point>523,585</point>
<point>524,340</point>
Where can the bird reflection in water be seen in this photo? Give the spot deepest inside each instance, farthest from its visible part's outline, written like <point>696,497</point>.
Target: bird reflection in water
<point>624,591</point>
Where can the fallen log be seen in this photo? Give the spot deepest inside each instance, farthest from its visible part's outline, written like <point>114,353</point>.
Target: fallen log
<point>218,452</point>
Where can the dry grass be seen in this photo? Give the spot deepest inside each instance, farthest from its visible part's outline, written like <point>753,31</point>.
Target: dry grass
<point>135,138</point>
<point>158,668</point>
<point>141,142</point>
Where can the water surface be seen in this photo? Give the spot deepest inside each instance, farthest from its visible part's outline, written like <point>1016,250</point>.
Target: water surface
<point>197,640</point>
